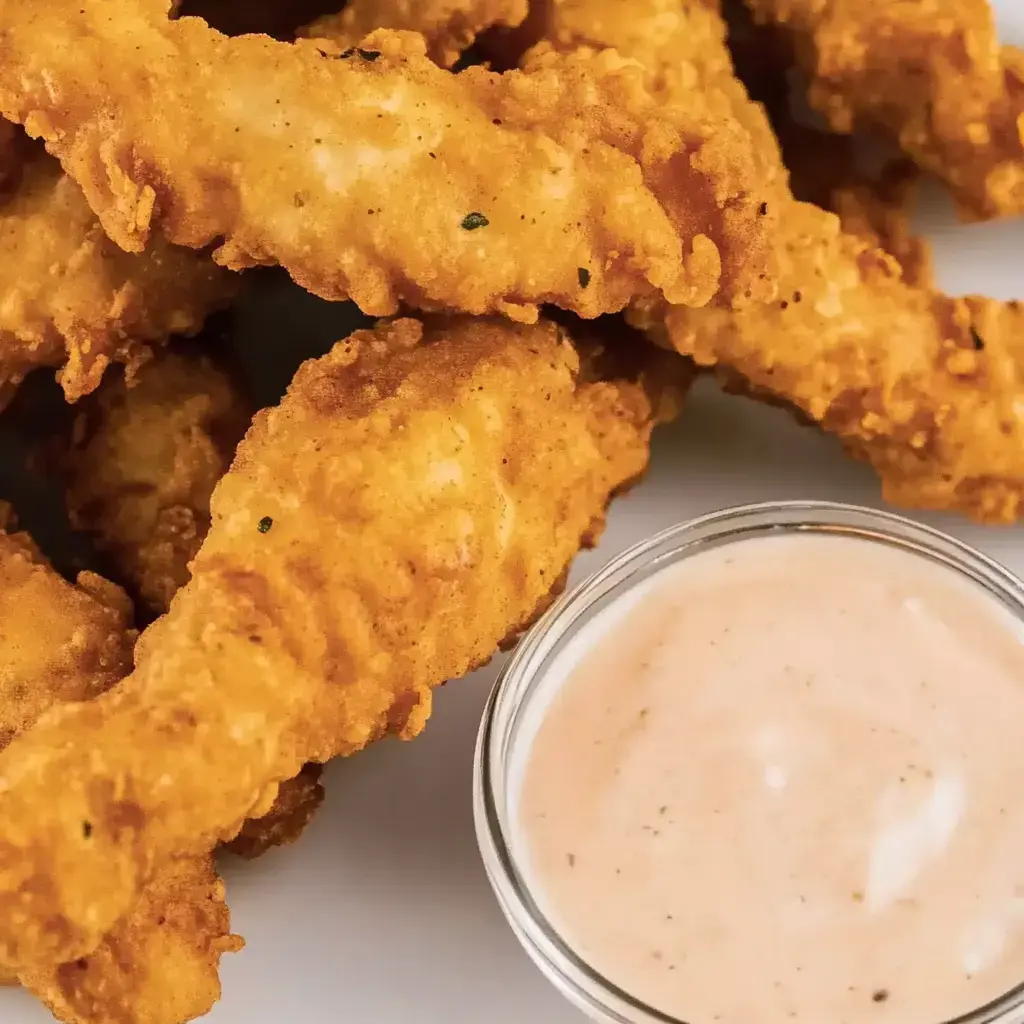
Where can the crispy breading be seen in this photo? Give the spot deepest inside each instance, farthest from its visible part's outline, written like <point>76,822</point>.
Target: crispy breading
<point>930,74</point>
<point>159,966</point>
<point>64,642</point>
<point>140,468</point>
<point>60,642</point>
<point>142,463</point>
<point>375,176</point>
<point>876,207</point>
<point>456,466</point>
<point>680,49</point>
<point>298,799</point>
<point>73,300</point>
<point>825,168</point>
<point>926,388</point>
<point>449,26</point>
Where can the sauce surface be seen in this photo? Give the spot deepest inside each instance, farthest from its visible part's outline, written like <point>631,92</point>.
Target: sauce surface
<point>785,784</point>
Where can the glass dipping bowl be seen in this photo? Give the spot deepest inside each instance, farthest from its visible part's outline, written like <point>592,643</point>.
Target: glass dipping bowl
<point>513,695</point>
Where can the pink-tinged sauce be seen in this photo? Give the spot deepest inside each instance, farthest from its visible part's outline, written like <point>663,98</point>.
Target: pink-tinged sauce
<point>787,784</point>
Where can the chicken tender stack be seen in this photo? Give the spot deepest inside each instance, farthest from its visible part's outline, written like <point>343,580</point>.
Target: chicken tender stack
<point>458,465</point>
<point>419,494</point>
<point>405,183</point>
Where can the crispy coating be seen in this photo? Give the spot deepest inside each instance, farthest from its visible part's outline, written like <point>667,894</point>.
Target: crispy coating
<point>73,300</point>
<point>143,461</point>
<point>930,74</point>
<point>449,26</point>
<point>926,388</point>
<point>64,642</point>
<point>60,642</point>
<point>828,169</point>
<point>140,469</point>
<point>298,799</point>
<point>457,466</point>
<point>376,176</point>
<point>877,208</point>
<point>159,966</point>
<point>681,52</point>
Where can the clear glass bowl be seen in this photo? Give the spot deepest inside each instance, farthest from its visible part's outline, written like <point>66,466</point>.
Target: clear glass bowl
<point>518,684</point>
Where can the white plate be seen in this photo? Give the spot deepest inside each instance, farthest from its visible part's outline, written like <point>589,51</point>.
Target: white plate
<point>382,913</point>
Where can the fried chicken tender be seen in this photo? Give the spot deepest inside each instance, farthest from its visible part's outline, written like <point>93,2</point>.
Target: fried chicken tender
<point>141,467</point>
<point>143,461</point>
<point>449,26</point>
<point>927,388</point>
<point>876,208</point>
<point>928,73</point>
<point>64,642</point>
<point>73,300</point>
<point>375,175</point>
<point>457,465</point>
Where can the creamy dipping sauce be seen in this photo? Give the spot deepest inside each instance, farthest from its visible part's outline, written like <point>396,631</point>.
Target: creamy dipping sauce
<point>783,783</point>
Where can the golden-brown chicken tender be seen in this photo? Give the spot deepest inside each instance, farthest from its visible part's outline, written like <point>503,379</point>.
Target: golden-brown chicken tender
<point>449,26</point>
<point>375,175</point>
<point>876,208</point>
<point>925,387</point>
<point>458,466</point>
<point>73,300</point>
<point>929,73</point>
<point>143,461</point>
<point>63,642</point>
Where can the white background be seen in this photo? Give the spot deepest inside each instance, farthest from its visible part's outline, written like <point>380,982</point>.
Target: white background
<point>382,913</point>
